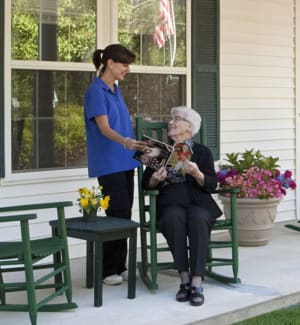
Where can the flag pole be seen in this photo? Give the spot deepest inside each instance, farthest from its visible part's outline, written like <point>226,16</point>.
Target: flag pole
<point>172,47</point>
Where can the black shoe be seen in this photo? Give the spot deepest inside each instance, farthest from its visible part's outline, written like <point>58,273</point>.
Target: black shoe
<point>184,292</point>
<point>197,297</point>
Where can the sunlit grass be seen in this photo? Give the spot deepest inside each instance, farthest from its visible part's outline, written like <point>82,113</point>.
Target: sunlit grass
<point>286,316</point>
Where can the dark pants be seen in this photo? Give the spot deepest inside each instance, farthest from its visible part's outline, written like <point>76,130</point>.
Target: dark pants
<point>183,227</point>
<point>120,187</point>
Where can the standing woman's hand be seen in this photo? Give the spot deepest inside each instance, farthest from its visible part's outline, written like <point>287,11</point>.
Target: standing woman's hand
<point>133,144</point>
<point>106,130</point>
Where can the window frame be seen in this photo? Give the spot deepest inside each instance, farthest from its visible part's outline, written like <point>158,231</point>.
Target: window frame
<point>2,151</point>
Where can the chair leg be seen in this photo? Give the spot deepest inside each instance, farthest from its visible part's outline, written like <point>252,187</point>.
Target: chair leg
<point>2,293</point>
<point>67,281</point>
<point>33,317</point>
<point>57,261</point>
<point>29,274</point>
<point>132,266</point>
<point>67,274</point>
<point>148,271</point>
<point>89,270</point>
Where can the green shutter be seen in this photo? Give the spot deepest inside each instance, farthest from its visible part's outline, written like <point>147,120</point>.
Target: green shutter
<point>2,88</point>
<point>205,68</point>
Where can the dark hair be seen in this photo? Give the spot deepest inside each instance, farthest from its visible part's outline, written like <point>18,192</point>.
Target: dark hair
<point>116,52</point>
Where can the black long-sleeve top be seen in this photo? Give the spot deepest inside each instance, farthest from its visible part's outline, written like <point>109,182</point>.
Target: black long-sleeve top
<point>190,192</point>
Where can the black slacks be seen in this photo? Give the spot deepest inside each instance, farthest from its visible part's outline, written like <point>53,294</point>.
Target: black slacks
<point>120,187</point>
<point>183,227</point>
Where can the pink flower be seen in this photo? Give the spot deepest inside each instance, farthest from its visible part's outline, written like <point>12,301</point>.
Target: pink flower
<point>287,174</point>
<point>257,182</point>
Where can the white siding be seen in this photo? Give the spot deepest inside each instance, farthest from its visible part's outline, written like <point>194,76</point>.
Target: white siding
<point>258,82</point>
<point>48,192</point>
<point>257,105</point>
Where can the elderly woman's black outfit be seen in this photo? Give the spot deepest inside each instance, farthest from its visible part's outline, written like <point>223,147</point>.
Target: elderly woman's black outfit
<point>187,210</point>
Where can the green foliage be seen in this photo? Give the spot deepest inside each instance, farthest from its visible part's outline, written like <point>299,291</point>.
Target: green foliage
<point>76,32</point>
<point>26,155</point>
<point>243,161</point>
<point>24,36</point>
<point>70,141</point>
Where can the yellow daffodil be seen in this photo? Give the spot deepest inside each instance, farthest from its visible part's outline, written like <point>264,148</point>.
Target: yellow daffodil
<point>84,202</point>
<point>92,199</point>
<point>104,203</point>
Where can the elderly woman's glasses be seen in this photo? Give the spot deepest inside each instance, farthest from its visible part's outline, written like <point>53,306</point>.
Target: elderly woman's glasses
<point>177,119</point>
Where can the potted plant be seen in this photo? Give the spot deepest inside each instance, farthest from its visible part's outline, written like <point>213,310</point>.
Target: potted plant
<point>261,186</point>
<point>90,200</point>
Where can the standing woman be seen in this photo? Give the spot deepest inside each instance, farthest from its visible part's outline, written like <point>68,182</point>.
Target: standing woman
<point>110,147</point>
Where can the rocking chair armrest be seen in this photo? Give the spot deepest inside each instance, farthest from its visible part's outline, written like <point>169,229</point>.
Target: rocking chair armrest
<point>37,206</point>
<point>151,192</point>
<point>19,217</point>
<point>224,191</point>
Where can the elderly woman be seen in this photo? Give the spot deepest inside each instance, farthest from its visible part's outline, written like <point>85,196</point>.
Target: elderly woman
<point>186,209</point>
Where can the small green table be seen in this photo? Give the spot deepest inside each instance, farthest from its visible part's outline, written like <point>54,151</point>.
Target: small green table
<point>95,233</point>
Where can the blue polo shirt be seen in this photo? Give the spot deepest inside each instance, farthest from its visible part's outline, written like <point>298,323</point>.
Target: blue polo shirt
<point>106,156</point>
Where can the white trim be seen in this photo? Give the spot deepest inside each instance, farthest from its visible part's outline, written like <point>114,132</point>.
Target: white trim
<point>297,100</point>
<point>51,65</point>
<point>104,20</point>
<point>7,87</point>
<point>44,176</point>
<point>86,67</point>
<point>188,69</point>
<point>114,21</point>
<point>157,69</point>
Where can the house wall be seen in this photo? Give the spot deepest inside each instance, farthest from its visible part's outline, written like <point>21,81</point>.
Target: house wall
<point>258,83</point>
<point>258,107</point>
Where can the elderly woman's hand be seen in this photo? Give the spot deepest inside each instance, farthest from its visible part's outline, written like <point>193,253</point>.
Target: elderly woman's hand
<point>158,176</point>
<point>192,168</point>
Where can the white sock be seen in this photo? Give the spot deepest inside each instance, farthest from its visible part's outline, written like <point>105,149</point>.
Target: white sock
<point>197,281</point>
<point>185,277</point>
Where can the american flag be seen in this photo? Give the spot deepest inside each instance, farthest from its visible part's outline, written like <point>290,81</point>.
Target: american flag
<point>165,26</point>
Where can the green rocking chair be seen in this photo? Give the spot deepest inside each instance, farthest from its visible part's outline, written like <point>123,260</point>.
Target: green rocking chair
<point>24,256</point>
<point>150,264</point>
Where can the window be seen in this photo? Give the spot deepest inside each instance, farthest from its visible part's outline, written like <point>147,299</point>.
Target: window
<point>156,31</point>
<point>52,42</point>
<point>46,104</point>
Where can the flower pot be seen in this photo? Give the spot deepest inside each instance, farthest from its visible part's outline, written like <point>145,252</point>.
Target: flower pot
<point>255,219</point>
<point>91,216</point>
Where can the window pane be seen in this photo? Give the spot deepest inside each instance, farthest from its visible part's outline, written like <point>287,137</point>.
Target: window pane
<point>153,95</point>
<point>139,23</point>
<point>53,30</point>
<point>47,119</point>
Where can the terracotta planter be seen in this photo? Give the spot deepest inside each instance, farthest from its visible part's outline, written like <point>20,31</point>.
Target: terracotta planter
<point>255,219</point>
<point>89,217</point>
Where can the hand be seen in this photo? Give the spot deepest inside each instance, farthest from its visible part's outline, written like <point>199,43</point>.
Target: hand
<point>191,168</point>
<point>159,175</point>
<point>135,144</point>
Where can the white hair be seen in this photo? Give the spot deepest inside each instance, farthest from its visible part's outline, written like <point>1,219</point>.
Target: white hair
<point>190,115</point>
